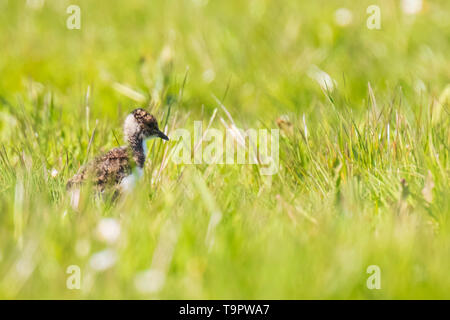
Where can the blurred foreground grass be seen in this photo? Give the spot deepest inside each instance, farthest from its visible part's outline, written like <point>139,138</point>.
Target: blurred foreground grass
<point>364,163</point>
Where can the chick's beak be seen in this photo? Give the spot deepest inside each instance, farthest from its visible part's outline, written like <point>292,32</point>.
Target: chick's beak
<point>162,136</point>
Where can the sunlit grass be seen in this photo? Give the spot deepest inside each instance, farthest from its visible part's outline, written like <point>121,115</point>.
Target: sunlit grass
<point>364,161</point>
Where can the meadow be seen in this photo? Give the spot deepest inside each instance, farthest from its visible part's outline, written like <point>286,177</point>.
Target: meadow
<point>363,177</point>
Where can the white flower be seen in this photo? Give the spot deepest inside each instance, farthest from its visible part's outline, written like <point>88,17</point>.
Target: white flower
<point>209,75</point>
<point>103,260</point>
<point>54,172</point>
<point>108,230</point>
<point>149,281</point>
<point>343,17</point>
<point>411,6</point>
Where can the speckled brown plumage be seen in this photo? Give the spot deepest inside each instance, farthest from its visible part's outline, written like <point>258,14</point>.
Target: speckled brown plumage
<point>106,170</point>
<point>111,168</point>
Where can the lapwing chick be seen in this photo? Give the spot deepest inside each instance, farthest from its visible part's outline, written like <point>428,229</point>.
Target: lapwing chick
<point>121,167</point>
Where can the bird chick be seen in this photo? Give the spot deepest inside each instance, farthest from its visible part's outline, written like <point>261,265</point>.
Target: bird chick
<point>121,167</point>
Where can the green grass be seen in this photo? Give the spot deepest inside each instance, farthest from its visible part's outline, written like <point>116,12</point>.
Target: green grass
<point>363,177</point>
